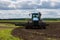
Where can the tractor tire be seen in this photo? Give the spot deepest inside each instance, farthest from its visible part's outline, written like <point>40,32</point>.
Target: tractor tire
<point>28,26</point>
<point>43,25</point>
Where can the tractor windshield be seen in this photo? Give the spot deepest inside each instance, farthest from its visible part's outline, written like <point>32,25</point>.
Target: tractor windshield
<point>35,17</point>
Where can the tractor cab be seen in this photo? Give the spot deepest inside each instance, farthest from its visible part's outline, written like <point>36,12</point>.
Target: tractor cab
<point>36,18</point>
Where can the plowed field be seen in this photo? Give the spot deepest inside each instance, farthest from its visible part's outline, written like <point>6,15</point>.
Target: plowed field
<point>52,32</point>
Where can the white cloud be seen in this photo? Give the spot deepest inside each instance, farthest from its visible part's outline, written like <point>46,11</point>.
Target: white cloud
<point>32,3</point>
<point>49,13</point>
<point>55,0</point>
<point>25,3</point>
<point>19,3</point>
<point>53,4</point>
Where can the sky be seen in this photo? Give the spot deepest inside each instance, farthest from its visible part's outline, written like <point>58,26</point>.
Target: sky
<point>15,8</point>
<point>29,4</point>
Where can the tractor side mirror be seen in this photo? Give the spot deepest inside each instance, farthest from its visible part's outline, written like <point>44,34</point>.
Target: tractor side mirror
<point>40,13</point>
<point>29,14</point>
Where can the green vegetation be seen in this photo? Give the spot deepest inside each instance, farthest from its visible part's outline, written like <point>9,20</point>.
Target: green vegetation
<point>27,19</point>
<point>5,34</point>
<point>13,20</point>
<point>52,20</point>
<point>47,20</point>
<point>7,25</point>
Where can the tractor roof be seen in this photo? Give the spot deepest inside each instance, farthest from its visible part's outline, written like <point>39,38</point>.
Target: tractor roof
<point>35,13</point>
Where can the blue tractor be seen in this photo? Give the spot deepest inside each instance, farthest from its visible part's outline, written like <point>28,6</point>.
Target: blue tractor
<point>36,22</point>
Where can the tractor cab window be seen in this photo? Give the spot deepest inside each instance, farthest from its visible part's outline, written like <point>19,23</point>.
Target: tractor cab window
<point>35,17</point>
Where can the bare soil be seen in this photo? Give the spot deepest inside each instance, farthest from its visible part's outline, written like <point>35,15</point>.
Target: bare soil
<point>52,32</point>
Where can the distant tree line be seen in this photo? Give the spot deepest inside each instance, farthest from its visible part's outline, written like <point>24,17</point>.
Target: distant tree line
<point>51,18</point>
<point>30,19</point>
<point>17,19</point>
